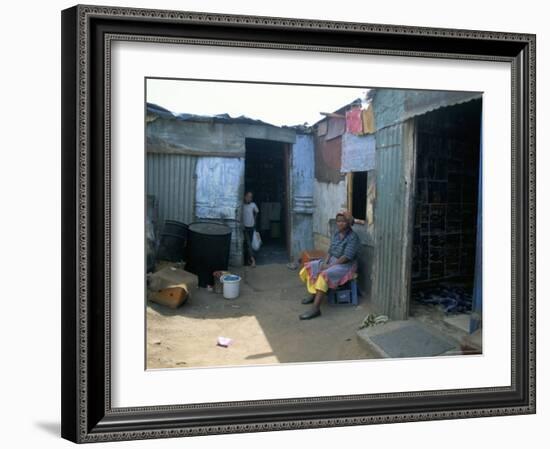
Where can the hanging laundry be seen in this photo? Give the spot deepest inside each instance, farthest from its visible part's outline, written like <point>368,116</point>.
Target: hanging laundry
<point>354,123</point>
<point>367,118</point>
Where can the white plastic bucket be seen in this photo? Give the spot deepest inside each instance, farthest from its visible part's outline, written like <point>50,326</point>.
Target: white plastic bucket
<point>231,285</point>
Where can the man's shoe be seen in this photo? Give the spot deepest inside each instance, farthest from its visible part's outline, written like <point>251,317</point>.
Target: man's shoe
<point>310,314</point>
<point>308,300</point>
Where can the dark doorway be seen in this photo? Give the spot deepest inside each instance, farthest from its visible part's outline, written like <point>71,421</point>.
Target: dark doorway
<point>266,177</point>
<point>446,207</point>
<point>359,195</point>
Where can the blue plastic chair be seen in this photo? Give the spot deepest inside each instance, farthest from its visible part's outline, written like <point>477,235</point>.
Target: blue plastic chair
<point>345,295</point>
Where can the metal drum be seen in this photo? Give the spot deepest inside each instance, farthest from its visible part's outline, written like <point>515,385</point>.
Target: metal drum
<point>208,245</point>
<point>172,241</point>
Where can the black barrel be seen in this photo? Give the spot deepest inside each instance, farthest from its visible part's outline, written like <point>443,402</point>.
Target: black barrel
<point>208,247</point>
<point>173,241</point>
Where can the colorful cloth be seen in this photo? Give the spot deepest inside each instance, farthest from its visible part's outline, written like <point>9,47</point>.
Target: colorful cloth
<point>331,277</point>
<point>313,285</point>
<point>367,117</point>
<point>354,122</point>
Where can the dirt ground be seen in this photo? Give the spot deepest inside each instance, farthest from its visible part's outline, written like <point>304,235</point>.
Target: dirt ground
<point>263,323</point>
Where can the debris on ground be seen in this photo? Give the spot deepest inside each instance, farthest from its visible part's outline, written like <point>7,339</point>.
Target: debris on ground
<point>172,297</point>
<point>292,265</point>
<point>224,341</point>
<point>373,320</point>
<point>450,298</point>
<point>169,286</point>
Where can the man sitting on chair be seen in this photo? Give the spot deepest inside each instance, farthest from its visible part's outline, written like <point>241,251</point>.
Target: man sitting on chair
<point>336,269</point>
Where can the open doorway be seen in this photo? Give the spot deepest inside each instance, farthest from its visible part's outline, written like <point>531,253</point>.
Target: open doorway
<point>266,176</point>
<point>357,194</point>
<point>446,210</point>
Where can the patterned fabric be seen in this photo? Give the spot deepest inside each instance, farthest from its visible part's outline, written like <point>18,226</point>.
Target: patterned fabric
<point>348,246</point>
<point>334,276</point>
<point>313,285</point>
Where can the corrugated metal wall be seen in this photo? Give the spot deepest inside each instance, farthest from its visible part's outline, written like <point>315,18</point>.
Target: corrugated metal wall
<point>170,177</point>
<point>394,163</point>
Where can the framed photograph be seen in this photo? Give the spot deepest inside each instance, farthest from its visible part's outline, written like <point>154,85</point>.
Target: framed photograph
<point>274,223</point>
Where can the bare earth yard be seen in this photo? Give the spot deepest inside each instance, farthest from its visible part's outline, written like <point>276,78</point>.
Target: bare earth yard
<point>263,323</point>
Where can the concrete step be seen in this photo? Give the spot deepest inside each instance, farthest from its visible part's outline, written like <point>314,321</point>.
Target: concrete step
<point>407,338</point>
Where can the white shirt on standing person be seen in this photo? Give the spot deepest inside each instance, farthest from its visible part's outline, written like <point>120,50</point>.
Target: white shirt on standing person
<point>249,211</point>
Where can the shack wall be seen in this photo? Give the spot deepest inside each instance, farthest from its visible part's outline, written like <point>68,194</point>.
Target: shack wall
<point>219,192</point>
<point>171,179</point>
<point>329,198</point>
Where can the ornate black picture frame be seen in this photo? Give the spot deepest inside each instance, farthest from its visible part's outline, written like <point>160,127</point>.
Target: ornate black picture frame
<point>87,414</point>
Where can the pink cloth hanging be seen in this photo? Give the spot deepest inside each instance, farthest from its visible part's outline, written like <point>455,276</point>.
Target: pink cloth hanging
<point>354,122</point>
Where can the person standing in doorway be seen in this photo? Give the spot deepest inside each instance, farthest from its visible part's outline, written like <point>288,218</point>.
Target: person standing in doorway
<point>250,212</point>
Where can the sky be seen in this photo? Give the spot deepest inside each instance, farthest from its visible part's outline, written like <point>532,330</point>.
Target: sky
<point>272,103</point>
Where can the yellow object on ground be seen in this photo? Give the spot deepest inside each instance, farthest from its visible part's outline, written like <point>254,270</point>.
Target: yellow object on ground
<point>312,287</point>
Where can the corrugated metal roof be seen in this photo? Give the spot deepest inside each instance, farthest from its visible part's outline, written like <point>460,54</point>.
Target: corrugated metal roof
<point>195,135</point>
<point>219,118</point>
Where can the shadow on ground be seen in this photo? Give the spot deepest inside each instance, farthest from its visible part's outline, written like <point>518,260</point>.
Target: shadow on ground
<point>263,324</point>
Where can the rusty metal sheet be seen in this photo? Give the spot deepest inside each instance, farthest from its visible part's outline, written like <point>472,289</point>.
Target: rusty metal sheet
<point>322,128</point>
<point>336,127</point>
<point>328,160</point>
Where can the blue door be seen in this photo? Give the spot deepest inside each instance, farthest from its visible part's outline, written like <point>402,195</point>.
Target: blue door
<point>301,186</point>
